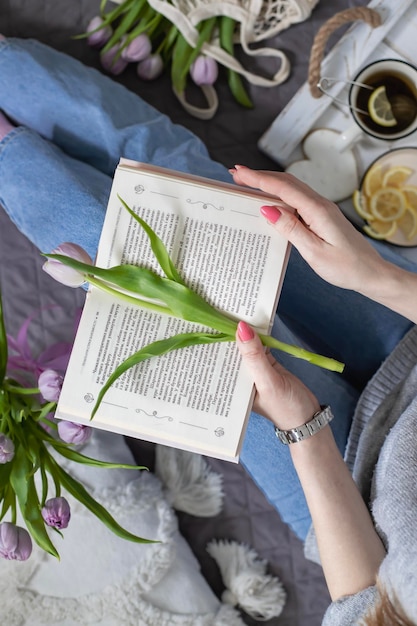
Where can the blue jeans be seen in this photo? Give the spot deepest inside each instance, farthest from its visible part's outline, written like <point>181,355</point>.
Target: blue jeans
<point>56,171</point>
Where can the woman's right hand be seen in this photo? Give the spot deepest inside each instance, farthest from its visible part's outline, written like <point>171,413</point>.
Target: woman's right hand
<point>329,243</point>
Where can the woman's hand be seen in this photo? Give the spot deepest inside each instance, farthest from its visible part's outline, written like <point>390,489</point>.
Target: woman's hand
<point>281,396</point>
<point>333,248</point>
<point>350,549</point>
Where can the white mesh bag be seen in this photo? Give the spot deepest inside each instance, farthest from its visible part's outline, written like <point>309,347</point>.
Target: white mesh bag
<point>257,20</point>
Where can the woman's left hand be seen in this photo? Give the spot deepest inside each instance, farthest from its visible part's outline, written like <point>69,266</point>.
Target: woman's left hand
<point>281,396</point>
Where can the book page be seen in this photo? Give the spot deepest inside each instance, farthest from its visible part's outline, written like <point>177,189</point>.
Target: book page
<point>195,398</point>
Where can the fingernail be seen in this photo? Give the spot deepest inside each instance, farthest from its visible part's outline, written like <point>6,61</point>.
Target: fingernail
<point>245,332</point>
<point>238,167</point>
<point>232,170</point>
<point>272,213</point>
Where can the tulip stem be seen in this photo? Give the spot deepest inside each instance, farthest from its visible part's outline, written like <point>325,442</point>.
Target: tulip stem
<point>101,284</point>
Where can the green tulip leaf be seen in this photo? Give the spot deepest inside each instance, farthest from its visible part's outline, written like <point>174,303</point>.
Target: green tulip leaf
<point>132,15</point>
<point>8,501</point>
<point>78,491</point>
<point>158,348</point>
<point>77,457</point>
<point>24,487</point>
<point>5,469</point>
<point>181,301</point>
<point>226,34</point>
<point>157,246</point>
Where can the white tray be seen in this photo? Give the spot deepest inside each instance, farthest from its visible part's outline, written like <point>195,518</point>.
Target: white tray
<point>360,45</point>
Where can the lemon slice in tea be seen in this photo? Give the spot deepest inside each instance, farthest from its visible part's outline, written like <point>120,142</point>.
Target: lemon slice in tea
<point>379,108</point>
<point>387,204</point>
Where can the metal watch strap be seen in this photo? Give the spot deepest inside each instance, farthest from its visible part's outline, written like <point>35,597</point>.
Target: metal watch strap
<point>310,428</point>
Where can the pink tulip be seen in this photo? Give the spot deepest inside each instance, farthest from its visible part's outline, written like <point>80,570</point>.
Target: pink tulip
<point>112,64</point>
<point>56,512</point>
<point>15,542</point>
<point>150,68</point>
<point>62,273</point>
<point>74,433</point>
<point>98,36</point>
<point>50,384</point>
<point>204,70</point>
<point>138,49</point>
<point>6,449</point>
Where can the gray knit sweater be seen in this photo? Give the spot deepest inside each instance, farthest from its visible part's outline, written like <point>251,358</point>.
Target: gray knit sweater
<point>382,455</point>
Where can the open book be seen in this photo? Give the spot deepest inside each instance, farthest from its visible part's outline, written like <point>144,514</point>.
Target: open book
<point>197,398</point>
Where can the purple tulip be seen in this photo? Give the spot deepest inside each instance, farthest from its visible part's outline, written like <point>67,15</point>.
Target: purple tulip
<point>112,64</point>
<point>138,49</point>
<point>15,542</point>
<point>150,68</point>
<point>62,273</point>
<point>204,70</point>
<point>57,512</point>
<point>74,433</point>
<point>6,449</point>
<point>50,385</point>
<point>98,36</point>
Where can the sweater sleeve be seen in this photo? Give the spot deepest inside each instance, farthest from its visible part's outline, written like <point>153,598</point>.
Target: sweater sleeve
<point>348,610</point>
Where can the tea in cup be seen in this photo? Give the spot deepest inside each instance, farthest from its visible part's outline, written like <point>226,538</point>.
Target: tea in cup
<point>383,101</point>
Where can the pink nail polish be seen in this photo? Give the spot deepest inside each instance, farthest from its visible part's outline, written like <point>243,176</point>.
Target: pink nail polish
<point>245,332</point>
<point>272,213</point>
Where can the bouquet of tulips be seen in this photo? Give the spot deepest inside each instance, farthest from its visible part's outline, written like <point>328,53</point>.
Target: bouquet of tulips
<point>31,444</point>
<point>134,32</point>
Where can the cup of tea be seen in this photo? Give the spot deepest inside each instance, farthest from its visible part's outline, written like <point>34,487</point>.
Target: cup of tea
<point>383,102</point>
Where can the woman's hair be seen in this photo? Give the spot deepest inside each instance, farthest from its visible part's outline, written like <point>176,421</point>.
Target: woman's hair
<point>387,611</point>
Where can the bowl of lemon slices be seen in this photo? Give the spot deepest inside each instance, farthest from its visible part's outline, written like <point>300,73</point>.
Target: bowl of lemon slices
<point>387,197</point>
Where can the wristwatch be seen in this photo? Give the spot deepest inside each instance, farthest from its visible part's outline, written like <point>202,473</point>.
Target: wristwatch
<point>319,420</point>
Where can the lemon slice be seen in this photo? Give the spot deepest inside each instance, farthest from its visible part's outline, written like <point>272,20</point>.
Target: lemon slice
<point>408,223</point>
<point>410,193</point>
<point>379,108</point>
<point>396,176</point>
<point>360,204</point>
<point>373,180</point>
<point>387,204</point>
<point>380,230</point>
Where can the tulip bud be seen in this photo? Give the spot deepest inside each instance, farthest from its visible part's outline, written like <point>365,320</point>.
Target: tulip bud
<point>6,449</point>
<point>50,384</point>
<point>99,36</point>
<point>112,64</point>
<point>150,68</point>
<point>15,542</point>
<point>74,433</point>
<point>57,512</point>
<point>138,49</point>
<point>62,273</point>
<point>204,70</point>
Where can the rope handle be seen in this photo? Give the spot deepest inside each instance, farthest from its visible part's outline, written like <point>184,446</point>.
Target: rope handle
<point>365,14</point>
